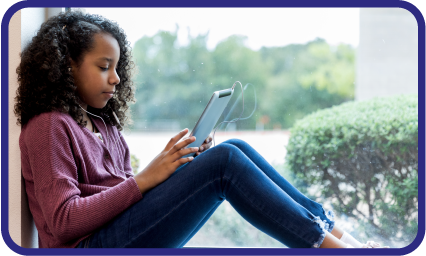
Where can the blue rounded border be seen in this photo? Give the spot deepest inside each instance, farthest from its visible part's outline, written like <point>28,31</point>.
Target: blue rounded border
<point>217,3</point>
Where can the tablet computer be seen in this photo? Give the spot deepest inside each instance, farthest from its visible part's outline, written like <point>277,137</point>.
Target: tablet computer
<point>209,117</point>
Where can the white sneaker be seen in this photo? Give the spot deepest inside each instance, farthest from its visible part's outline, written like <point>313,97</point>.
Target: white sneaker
<point>372,244</point>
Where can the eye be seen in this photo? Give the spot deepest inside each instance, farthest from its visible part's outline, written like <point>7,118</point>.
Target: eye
<point>103,69</point>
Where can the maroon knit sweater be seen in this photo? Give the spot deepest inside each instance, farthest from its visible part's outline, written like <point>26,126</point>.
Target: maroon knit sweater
<point>72,185</point>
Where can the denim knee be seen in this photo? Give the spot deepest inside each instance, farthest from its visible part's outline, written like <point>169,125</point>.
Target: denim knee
<point>236,142</point>
<point>224,152</point>
<point>220,156</point>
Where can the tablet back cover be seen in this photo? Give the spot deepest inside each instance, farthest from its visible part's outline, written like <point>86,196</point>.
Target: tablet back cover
<point>209,117</point>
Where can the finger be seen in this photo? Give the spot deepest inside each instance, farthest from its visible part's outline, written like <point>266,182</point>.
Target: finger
<point>175,139</point>
<point>205,146</point>
<point>179,154</point>
<point>182,161</point>
<point>182,144</point>
<point>208,146</point>
<point>208,139</point>
<point>202,147</point>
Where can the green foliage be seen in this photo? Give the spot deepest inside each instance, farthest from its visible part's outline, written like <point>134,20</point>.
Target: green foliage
<point>175,82</point>
<point>306,78</point>
<point>365,156</point>
<point>402,207</point>
<point>134,162</point>
<point>331,68</point>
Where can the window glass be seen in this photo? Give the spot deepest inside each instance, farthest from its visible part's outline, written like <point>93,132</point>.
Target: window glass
<point>292,63</point>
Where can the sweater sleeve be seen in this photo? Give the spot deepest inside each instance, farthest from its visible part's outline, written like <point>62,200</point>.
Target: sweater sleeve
<point>128,169</point>
<point>54,169</point>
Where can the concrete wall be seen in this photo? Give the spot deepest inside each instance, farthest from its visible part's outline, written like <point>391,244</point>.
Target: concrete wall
<point>22,27</point>
<point>387,55</point>
<point>14,131</point>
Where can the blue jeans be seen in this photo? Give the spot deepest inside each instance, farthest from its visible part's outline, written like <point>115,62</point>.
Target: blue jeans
<point>170,214</point>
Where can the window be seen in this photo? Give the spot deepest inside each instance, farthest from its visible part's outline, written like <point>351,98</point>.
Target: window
<point>291,62</point>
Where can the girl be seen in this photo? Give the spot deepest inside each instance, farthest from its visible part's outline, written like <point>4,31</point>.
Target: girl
<point>74,89</point>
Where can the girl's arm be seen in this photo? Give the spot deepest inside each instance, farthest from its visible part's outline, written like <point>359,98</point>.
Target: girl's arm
<point>48,147</point>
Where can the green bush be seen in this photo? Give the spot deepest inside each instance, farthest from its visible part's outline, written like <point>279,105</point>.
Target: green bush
<point>364,157</point>
<point>134,162</point>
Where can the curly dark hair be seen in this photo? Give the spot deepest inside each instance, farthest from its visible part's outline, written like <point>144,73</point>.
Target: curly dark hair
<point>45,82</point>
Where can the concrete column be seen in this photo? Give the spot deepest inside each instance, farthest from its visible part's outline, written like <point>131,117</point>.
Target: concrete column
<point>22,27</point>
<point>387,56</point>
<point>14,131</point>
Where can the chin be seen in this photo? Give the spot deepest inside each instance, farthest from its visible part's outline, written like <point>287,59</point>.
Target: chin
<point>98,106</point>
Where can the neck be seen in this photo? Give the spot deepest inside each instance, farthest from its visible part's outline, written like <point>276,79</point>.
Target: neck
<point>83,105</point>
<point>86,118</point>
<point>85,115</point>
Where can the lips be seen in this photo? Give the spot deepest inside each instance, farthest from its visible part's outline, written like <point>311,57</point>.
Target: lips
<point>110,94</point>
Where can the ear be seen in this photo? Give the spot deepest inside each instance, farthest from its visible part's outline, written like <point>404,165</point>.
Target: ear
<point>73,64</point>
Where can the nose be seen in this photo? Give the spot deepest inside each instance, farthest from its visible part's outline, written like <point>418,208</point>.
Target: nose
<point>114,79</point>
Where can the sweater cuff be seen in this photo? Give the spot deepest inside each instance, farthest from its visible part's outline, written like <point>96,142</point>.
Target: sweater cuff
<point>135,189</point>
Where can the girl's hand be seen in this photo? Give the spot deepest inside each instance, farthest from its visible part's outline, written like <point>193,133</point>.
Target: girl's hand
<point>166,163</point>
<point>206,145</point>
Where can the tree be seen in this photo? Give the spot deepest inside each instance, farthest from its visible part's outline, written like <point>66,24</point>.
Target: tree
<point>175,82</point>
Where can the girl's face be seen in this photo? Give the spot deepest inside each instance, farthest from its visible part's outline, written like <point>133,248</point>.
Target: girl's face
<point>96,77</point>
